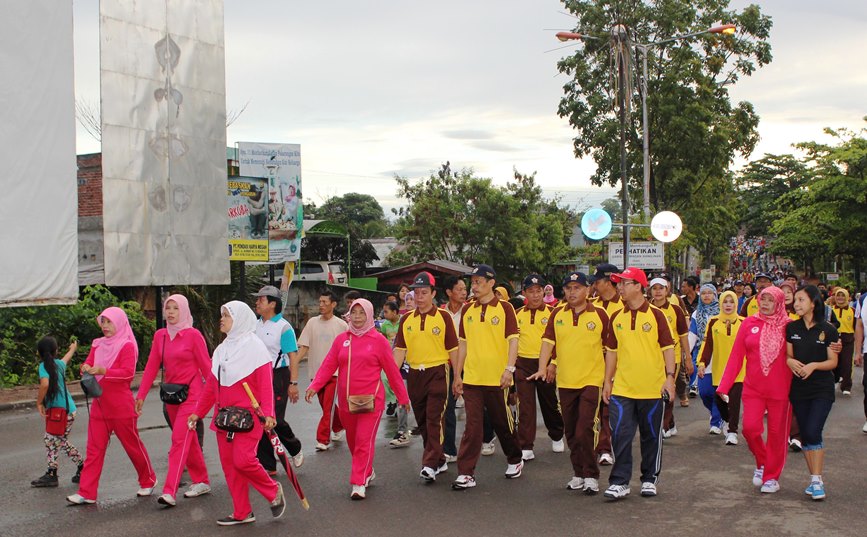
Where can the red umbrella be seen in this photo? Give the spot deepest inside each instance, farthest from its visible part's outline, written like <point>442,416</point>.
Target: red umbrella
<point>279,450</point>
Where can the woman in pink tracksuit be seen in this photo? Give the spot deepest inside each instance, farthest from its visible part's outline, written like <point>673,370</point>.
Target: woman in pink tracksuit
<point>241,358</point>
<point>359,356</point>
<point>112,361</point>
<point>181,351</point>
<point>762,338</point>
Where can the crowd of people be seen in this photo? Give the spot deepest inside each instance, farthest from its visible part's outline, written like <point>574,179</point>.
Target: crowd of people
<point>605,360</point>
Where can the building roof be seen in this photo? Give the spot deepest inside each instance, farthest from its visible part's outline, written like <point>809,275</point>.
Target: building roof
<point>438,267</point>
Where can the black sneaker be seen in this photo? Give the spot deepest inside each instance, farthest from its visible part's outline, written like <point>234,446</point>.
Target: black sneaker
<point>49,479</point>
<point>232,521</point>
<point>415,431</point>
<point>278,506</point>
<point>77,477</point>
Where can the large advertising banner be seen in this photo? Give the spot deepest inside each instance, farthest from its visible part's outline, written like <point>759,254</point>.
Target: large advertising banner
<point>163,94</point>
<point>248,219</point>
<point>280,164</point>
<point>38,208</point>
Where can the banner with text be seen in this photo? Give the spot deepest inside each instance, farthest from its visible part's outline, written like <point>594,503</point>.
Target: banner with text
<point>248,219</point>
<point>644,255</point>
<point>280,165</point>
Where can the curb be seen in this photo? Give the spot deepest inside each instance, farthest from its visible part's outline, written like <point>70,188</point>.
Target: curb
<point>77,397</point>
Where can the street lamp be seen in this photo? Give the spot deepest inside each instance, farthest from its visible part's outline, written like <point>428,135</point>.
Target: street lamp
<point>620,41</point>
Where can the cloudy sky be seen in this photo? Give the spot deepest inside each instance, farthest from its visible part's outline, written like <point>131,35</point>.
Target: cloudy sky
<point>381,87</point>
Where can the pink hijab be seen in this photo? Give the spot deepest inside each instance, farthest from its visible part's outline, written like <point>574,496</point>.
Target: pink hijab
<point>368,322</point>
<point>773,335</point>
<point>185,318</point>
<point>106,349</point>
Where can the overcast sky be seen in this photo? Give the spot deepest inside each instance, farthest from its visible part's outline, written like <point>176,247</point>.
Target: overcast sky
<point>381,87</point>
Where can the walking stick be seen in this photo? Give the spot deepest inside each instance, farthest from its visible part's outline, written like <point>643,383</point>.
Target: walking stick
<point>279,450</point>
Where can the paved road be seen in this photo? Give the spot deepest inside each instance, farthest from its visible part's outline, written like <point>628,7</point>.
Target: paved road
<point>705,489</point>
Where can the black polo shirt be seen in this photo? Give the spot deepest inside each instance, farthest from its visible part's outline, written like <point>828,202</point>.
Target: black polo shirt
<point>812,346</point>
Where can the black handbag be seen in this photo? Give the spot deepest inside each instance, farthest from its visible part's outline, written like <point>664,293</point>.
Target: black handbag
<point>232,419</point>
<point>171,394</point>
<point>90,386</point>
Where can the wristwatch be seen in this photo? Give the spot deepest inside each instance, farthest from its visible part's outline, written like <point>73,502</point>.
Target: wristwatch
<point>669,374</point>
<point>510,368</point>
<point>293,383</point>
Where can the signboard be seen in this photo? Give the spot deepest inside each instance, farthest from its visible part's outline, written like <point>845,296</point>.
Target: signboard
<point>666,226</point>
<point>248,219</point>
<point>644,255</point>
<point>596,224</point>
<point>280,164</point>
<point>833,277</point>
<point>706,275</point>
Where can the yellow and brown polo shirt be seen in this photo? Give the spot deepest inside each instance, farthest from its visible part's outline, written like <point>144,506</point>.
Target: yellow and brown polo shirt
<point>676,324</point>
<point>717,346</point>
<point>487,329</point>
<point>427,337</point>
<point>610,306</point>
<point>639,337</point>
<point>846,316</point>
<point>578,341</point>
<point>531,326</point>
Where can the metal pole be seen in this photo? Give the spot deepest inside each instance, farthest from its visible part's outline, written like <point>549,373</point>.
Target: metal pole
<point>646,141</point>
<point>619,36</point>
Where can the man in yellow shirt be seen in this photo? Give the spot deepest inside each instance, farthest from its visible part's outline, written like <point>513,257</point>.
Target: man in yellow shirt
<point>426,340</point>
<point>576,331</point>
<point>639,376</point>
<point>487,352</point>
<point>751,305</point>
<point>532,322</point>
<point>677,324</point>
<point>608,299</point>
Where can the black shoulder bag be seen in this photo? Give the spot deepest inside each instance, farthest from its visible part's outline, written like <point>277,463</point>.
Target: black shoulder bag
<point>232,419</point>
<point>171,394</point>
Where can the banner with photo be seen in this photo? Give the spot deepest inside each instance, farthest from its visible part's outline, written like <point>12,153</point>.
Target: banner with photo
<point>280,164</point>
<point>248,219</point>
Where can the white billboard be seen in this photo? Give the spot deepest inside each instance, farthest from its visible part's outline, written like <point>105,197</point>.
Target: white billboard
<point>649,255</point>
<point>38,207</point>
<point>163,89</point>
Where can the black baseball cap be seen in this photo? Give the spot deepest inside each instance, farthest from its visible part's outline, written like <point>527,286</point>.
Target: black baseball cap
<point>577,277</point>
<point>483,270</point>
<point>738,282</point>
<point>603,272</point>
<point>533,279</point>
<point>763,275</point>
<point>423,279</point>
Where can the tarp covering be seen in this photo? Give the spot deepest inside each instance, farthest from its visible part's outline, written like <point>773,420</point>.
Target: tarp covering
<point>163,142</point>
<point>38,204</point>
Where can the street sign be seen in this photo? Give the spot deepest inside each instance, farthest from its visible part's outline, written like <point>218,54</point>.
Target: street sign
<point>642,254</point>
<point>666,226</point>
<point>596,224</point>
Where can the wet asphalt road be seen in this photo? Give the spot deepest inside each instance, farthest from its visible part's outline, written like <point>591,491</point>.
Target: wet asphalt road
<point>705,489</point>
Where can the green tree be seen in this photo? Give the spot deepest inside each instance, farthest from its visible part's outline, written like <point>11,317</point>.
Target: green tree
<point>763,185</point>
<point>463,218</point>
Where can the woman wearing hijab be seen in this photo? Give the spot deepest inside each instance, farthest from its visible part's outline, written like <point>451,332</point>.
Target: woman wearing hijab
<point>241,358</point>
<point>719,338</point>
<point>761,339</point>
<point>708,306</point>
<point>112,362</point>
<point>359,356</point>
<point>180,350</point>
<point>550,299</point>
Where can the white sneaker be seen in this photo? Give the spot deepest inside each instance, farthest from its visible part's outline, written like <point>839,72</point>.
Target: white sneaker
<point>847,392</point>
<point>488,448</point>
<point>795,445</point>
<point>513,471</point>
<point>576,483</point>
<point>298,459</point>
<point>167,500</point>
<point>731,439</point>
<point>758,474</point>
<point>338,437</point>
<point>606,459</point>
<point>464,482</point>
<point>370,478</point>
<point>527,455</point>
<point>668,433</point>
<point>558,446</point>
<point>322,447</point>
<point>147,491</point>
<point>358,492</point>
<point>715,430</point>
<point>428,474</point>
<point>648,489</point>
<point>78,499</point>
<point>725,428</point>
<point>443,468</point>
<point>197,489</point>
<point>451,458</point>
<point>864,429</point>
<point>615,492</point>
<point>591,486</point>
<point>770,486</point>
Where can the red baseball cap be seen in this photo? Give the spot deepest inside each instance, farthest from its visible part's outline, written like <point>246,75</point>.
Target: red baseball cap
<point>631,273</point>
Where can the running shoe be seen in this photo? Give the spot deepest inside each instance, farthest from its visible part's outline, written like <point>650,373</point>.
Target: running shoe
<point>464,482</point>
<point>731,439</point>
<point>576,483</point>
<point>232,521</point>
<point>451,458</point>
<point>298,459</point>
<point>591,486</point>
<point>606,459</point>
<point>443,468</point>
<point>513,471</point>
<point>428,474</point>
<point>693,392</point>
<point>818,491</point>
<point>168,500</point>
<point>197,489</point>
<point>864,429</point>
<point>527,454</point>
<point>770,486</point>
<point>558,446</point>
<point>400,440</point>
<point>370,478</point>
<point>147,491</point>
<point>278,506</point>
<point>322,447</point>
<point>615,492</point>
<point>715,430</point>
<point>845,392</point>
<point>648,489</point>
<point>670,432</point>
<point>48,479</point>
<point>794,445</point>
<point>758,473</point>
<point>78,499</point>
<point>358,492</point>
<point>488,448</point>
<point>338,436</point>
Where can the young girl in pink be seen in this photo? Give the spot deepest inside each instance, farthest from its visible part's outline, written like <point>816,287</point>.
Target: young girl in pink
<point>112,361</point>
<point>359,356</point>
<point>181,351</point>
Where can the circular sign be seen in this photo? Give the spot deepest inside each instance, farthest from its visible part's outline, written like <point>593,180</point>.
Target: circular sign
<point>596,224</point>
<point>666,226</point>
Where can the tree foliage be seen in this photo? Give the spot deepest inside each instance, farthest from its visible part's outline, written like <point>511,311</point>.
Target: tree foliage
<point>463,218</point>
<point>763,186</point>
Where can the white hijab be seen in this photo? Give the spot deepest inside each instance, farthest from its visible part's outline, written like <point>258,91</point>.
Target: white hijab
<point>241,352</point>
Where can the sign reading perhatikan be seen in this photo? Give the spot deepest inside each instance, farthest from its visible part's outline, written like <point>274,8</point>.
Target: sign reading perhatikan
<point>163,88</point>
<point>248,219</point>
<point>644,255</point>
<point>280,165</point>
<point>666,226</point>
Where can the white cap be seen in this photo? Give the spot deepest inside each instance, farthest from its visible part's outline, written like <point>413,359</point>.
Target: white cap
<point>659,281</point>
